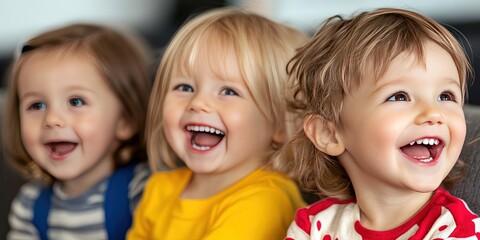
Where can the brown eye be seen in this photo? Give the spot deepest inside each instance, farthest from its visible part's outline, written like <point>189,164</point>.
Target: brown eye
<point>446,96</point>
<point>399,96</point>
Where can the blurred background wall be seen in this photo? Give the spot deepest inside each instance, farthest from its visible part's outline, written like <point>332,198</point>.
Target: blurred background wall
<point>157,21</point>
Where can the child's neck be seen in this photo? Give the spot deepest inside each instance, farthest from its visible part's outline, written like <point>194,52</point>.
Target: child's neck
<point>382,212</point>
<point>206,185</point>
<point>77,186</point>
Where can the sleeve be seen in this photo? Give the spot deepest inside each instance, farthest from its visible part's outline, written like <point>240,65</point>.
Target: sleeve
<point>450,218</point>
<point>460,219</point>
<point>255,214</point>
<point>141,226</point>
<point>21,213</point>
<point>137,184</point>
<point>300,226</point>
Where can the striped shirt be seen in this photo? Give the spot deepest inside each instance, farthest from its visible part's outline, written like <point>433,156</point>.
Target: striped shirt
<point>81,217</point>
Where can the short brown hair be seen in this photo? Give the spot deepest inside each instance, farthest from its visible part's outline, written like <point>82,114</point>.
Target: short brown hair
<point>336,60</point>
<point>123,60</point>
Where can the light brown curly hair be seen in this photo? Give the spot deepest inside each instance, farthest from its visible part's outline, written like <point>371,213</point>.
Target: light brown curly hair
<point>335,61</point>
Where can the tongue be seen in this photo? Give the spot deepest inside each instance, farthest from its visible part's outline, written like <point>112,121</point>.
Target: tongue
<point>62,148</point>
<point>416,151</point>
<point>206,139</point>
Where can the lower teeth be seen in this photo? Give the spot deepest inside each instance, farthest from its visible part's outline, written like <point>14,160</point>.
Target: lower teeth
<point>201,148</point>
<point>426,160</point>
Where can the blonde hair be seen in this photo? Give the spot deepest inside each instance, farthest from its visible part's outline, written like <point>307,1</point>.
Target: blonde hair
<point>262,49</point>
<point>336,60</point>
<point>122,59</point>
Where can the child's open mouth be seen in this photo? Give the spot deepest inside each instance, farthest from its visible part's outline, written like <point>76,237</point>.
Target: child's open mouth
<point>424,150</point>
<point>204,137</point>
<point>58,150</point>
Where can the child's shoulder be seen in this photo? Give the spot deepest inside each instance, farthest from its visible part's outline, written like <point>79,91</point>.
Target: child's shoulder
<point>265,180</point>
<point>331,205</point>
<point>170,180</point>
<point>173,176</point>
<point>141,167</point>
<point>268,187</point>
<point>29,191</point>
<point>27,195</point>
<point>269,177</point>
<point>450,205</point>
<point>141,172</point>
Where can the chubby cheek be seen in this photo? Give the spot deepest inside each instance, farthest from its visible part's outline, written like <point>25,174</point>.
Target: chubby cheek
<point>374,133</point>
<point>457,136</point>
<point>388,128</point>
<point>95,130</point>
<point>171,125</point>
<point>87,126</point>
<point>172,110</point>
<point>28,142</point>
<point>250,126</point>
<point>168,131</point>
<point>29,134</point>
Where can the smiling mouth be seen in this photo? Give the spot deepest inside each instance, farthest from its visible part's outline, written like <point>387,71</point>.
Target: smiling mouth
<point>424,150</point>
<point>204,138</point>
<point>58,149</point>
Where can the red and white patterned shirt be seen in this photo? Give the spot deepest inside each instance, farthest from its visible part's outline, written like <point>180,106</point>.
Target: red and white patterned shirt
<point>444,217</point>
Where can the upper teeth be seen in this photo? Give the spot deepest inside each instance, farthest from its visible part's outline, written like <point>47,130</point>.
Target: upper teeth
<point>204,129</point>
<point>426,141</point>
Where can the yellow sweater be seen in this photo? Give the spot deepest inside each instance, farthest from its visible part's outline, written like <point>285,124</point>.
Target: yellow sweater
<point>260,206</point>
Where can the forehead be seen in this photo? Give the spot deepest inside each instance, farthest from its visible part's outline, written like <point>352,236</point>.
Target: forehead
<point>62,67</point>
<point>219,57</point>
<point>436,62</point>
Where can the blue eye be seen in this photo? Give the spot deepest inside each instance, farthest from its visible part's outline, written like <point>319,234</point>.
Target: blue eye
<point>184,88</point>
<point>228,92</point>
<point>38,106</point>
<point>446,96</point>
<point>76,102</point>
<point>399,96</point>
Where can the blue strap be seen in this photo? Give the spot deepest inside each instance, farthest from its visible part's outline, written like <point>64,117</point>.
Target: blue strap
<point>118,217</point>
<point>41,208</point>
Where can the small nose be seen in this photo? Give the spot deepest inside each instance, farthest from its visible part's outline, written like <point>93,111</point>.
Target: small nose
<point>431,115</point>
<point>200,102</point>
<point>53,118</point>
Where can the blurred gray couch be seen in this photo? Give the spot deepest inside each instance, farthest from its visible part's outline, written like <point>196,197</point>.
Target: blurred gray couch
<point>10,181</point>
<point>468,189</point>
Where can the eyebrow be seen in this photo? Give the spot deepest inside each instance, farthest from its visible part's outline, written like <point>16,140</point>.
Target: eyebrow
<point>379,87</point>
<point>28,94</point>
<point>71,88</point>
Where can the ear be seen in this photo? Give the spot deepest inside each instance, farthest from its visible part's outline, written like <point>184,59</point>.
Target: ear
<point>279,136</point>
<point>125,129</point>
<point>323,134</point>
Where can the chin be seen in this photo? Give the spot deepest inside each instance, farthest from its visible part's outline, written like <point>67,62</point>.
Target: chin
<point>426,188</point>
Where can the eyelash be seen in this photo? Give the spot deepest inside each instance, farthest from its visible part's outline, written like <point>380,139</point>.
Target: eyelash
<point>406,97</point>
<point>183,88</point>
<point>75,99</point>
<point>392,97</point>
<point>231,91</point>
<point>452,96</point>
<point>74,102</point>
<point>35,106</point>
<point>187,88</point>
